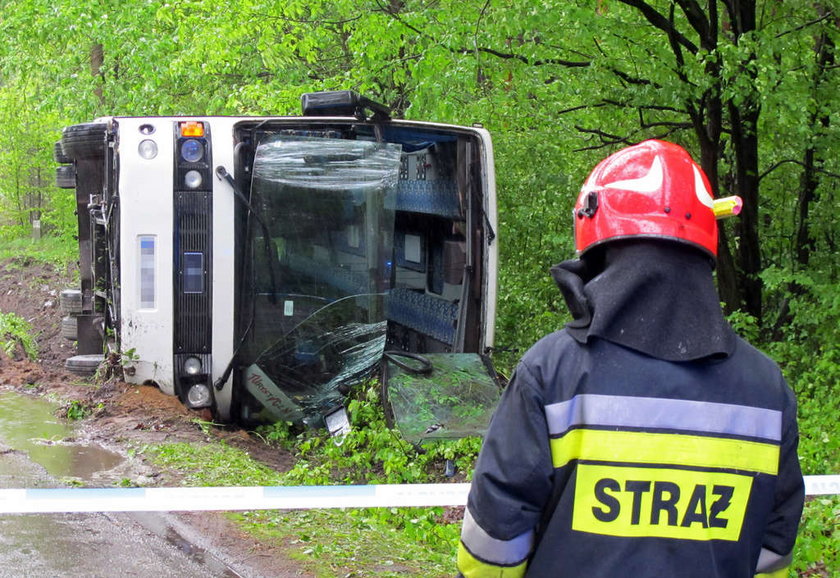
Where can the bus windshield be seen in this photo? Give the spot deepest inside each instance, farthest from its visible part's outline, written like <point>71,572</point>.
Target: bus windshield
<point>320,243</point>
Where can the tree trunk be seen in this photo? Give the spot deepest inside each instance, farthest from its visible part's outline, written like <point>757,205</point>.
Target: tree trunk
<point>809,180</point>
<point>744,116</point>
<point>745,145</point>
<point>97,59</point>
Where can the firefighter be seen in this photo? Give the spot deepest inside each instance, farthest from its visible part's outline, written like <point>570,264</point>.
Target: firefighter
<point>645,438</point>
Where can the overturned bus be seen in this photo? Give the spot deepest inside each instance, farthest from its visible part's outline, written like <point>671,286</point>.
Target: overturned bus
<point>264,266</point>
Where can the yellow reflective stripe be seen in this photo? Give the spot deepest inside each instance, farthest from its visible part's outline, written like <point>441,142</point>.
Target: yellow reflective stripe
<point>472,567</point>
<point>780,573</point>
<point>665,448</point>
<point>660,502</point>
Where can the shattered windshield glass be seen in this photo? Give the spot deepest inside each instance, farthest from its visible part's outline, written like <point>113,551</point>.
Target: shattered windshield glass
<point>455,398</point>
<point>320,242</point>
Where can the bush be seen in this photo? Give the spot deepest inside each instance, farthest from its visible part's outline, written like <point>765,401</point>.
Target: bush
<point>16,336</point>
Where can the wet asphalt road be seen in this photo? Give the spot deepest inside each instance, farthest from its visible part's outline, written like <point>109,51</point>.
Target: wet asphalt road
<point>87,545</point>
<point>95,545</point>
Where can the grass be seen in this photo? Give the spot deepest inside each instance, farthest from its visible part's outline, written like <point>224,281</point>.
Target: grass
<point>54,251</point>
<point>353,542</point>
<point>215,464</point>
<point>357,542</point>
<point>395,542</point>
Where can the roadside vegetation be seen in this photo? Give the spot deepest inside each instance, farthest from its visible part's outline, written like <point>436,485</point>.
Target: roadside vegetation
<point>421,542</point>
<point>751,93</point>
<point>16,336</point>
<point>358,542</point>
<point>58,252</point>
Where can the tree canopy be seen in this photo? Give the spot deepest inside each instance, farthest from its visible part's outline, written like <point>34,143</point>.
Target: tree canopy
<point>747,86</point>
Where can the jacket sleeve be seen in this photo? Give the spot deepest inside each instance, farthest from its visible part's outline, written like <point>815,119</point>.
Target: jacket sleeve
<point>783,523</point>
<point>511,485</point>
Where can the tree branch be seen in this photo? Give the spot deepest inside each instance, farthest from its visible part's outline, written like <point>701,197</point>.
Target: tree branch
<point>582,107</point>
<point>608,140</point>
<point>775,166</point>
<point>697,19</point>
<point>491,51</point>
<point>672,125</point>
<point>806,25</point>
<point>662,23</point>
<point>304,21</point>
<point>525,60</point>
<point>663,109</point>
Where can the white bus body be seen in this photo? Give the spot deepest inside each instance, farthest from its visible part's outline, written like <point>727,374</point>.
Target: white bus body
<point>222,255</point>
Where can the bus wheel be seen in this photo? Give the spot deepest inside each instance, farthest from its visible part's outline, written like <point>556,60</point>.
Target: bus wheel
<point>65,177</point>
<point>59,155</point>
<point>84,141</point>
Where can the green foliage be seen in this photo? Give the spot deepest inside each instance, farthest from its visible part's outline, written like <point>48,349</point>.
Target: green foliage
<point>368,542</point>
<point>535,232</point>
<point>745,325</point>
<point>374,454</point>
<point>806,346</point>
<point>559,85</point>
<point>76,411</point>
<point>54,251</point>
<point>817,551</point>
<point>214,465</point>
<point>371,453</point>
<point>16,332</point>
<point>27,173</point>
<point>816,387</point>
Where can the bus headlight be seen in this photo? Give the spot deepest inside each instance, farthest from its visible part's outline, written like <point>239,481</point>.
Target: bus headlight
<point>148,149</point>
<point>192,366</point>
<point>192,151</point>
<point>199,396</point>
<point>192,179</point>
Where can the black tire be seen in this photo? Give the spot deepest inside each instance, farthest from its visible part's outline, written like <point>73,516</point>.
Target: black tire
<point>85,141</point>
<point>65,177</point>
<point>59,155</point>
<point>84,364</point>
<point>70,301</point>
<point>70,328</point>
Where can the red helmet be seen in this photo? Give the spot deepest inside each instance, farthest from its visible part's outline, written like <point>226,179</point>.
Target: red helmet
<point>650,190</point>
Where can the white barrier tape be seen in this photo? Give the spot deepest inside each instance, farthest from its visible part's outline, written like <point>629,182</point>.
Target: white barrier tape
<point>61,500</point>
<point>822,485</point>
<point>30,501</point>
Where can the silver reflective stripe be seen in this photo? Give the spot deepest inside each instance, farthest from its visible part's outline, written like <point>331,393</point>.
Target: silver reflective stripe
<point>652,412</point>
<point>494,551</point>
<point>769,561</point>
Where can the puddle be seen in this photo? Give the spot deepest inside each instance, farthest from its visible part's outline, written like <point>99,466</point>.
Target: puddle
<point>29,425</point>
<point>138,543</point>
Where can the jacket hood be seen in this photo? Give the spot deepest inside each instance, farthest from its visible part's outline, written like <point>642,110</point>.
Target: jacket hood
<point>653,297</point>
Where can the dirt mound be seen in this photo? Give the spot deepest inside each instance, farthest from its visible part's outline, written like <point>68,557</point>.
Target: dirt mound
<point>31,291</point>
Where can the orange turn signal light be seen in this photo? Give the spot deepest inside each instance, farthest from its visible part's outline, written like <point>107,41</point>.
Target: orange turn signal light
<point>192,128</point>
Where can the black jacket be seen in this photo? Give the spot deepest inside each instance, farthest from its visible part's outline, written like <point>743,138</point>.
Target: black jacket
<point>604,461</point>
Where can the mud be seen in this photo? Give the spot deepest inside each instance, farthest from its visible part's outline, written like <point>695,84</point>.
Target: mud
<point>123,416</point>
